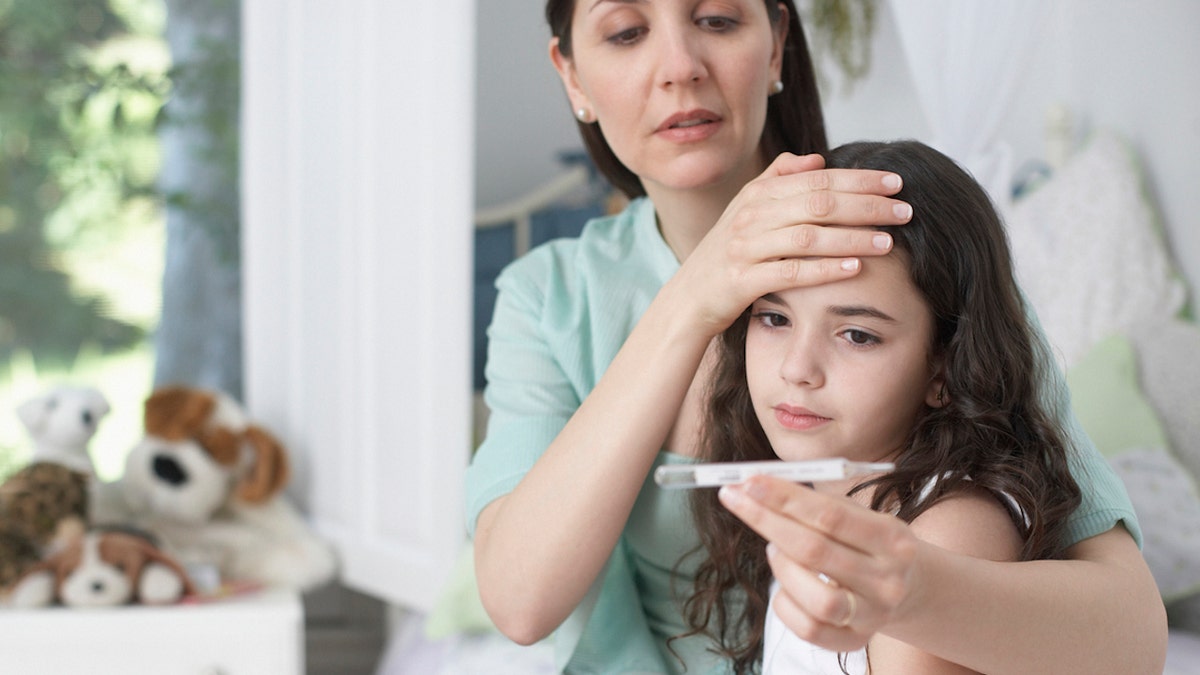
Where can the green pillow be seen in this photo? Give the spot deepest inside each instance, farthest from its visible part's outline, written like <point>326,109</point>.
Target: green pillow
<point>459,609</point>
<point>1108,401</point>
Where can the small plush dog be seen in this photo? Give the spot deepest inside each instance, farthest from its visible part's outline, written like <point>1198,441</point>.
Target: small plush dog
<point>104,569</point>
<point>209,484</point>
<point>61,423</point>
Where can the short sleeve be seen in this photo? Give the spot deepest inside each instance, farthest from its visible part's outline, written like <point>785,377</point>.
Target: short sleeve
<point>1105,501</point>
<point>529,396</point>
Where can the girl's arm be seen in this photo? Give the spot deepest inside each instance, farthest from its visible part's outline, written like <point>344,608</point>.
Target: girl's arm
<point>971,523</point>
<point>539,548</point>
<point>1098,611</point>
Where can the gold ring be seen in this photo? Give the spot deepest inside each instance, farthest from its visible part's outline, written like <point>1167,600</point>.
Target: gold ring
<point>850,599</point>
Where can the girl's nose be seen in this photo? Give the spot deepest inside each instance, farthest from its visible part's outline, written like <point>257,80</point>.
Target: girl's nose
<point>803,362</point>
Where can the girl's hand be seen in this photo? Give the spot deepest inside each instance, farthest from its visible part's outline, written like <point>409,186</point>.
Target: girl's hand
<point>844,570</point>
<point>773,235</point>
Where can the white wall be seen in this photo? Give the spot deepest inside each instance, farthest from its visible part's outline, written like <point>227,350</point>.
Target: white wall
<point>1128,65</point>
<point>523,119</point>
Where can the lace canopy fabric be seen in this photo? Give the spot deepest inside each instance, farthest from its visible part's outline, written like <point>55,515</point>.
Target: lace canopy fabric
<point>966,59</point>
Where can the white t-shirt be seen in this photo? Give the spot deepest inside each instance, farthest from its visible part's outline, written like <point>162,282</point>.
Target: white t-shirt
<point>785,653</point>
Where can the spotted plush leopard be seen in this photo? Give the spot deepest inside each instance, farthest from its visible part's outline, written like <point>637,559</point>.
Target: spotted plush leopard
<point>17,555</point>
<point>44,502</point>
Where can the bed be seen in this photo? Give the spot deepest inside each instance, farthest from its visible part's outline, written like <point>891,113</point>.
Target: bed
<point>1090,255</point>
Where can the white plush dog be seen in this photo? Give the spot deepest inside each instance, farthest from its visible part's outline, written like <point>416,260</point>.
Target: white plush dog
<point>208,484</point>
<point>61,423</point>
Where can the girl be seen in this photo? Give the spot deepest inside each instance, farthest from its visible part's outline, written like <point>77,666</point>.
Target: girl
<point>596,369</point>
<point>925,359</point>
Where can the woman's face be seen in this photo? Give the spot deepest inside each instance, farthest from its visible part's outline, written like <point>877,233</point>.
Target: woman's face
<point>842,369</point>
<point>679,87</point>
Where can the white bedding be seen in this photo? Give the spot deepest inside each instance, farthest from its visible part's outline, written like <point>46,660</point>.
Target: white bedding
<point>1183,653</point>
<point>411,652</point>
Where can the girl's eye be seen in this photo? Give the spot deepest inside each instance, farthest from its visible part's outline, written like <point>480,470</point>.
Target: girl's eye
<point>627,36</point>
<point>771,319</point>
<point>717,24</point>
<point>859,338</point>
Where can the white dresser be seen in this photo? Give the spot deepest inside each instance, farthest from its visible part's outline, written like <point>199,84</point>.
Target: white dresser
<point>254,634</point>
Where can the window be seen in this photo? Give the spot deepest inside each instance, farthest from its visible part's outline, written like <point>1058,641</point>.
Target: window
<point>81,218</point>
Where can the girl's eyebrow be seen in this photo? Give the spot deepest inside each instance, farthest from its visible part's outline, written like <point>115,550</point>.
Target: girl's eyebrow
<point>838,310</point>
<point>858,310</point>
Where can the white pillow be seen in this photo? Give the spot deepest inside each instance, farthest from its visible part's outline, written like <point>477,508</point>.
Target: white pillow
<point>1169,373</point>
<point>1168,510</point>
<point>1088,251</point>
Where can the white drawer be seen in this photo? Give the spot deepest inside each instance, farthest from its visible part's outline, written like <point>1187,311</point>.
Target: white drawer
<point>254,634</point>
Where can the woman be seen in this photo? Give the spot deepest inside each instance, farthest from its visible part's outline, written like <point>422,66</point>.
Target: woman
<point>598,344</point>
<point>925,359</point>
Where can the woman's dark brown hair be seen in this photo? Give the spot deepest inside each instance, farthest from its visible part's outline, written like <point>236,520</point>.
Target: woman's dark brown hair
<point>794,121</point>
<point>996,430</point>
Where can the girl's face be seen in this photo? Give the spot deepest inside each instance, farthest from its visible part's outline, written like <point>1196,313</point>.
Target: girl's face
<point>679,87</point>
<point>843,369</point>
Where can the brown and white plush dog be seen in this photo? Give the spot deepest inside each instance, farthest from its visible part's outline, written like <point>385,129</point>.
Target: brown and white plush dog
<point>209,484</point>
<point>199,451</point>
<point>104,569</point>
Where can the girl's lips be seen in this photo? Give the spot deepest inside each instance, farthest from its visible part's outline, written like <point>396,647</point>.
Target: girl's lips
<point>798,419</point>
<point>689,126</point>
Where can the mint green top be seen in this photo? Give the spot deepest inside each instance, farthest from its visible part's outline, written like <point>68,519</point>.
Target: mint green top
<point>562,313</point>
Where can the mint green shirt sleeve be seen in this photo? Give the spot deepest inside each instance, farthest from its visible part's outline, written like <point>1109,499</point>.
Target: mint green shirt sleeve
<point>529,396</point>
<point>562,313</point>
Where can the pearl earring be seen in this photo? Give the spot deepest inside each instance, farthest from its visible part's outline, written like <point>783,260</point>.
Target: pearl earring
<point>583,115</point>
<point>777,87</point>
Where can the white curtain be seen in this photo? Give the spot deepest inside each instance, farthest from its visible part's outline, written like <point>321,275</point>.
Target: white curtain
<point>966,59</point>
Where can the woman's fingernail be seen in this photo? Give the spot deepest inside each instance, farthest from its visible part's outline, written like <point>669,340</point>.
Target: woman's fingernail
<point>883,242</point>
<point>772,549</point>
<point>903,211</point>
<point>850,264</point>
<point>729,495</point>
<point>892,181</point>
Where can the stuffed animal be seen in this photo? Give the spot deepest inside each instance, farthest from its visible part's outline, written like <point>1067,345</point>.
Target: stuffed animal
<point>104,569</point>
<point>18,555</point>
<point>61,423</point>
<point>208,483</point>
<point>44,505</point>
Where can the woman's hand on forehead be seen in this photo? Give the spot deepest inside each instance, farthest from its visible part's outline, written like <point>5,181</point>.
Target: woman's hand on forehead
<point>834,196</point>
<point>797,224</point>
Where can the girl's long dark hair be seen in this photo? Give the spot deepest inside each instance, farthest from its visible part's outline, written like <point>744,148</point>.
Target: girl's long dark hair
<point>794,120</point>
<point>995,430</point>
